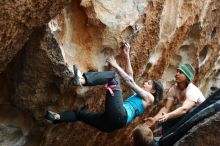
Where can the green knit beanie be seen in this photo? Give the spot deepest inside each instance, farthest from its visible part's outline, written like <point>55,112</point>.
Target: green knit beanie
<point>188,70</point>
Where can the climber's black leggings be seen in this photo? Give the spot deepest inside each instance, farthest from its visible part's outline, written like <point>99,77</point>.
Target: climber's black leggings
<point>114,116</point>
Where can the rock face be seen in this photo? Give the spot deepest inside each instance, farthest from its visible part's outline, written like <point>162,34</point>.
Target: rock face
<point>18,20</point>
<point>36,60</point>
<point>203,134</point>
<point>169,33</point>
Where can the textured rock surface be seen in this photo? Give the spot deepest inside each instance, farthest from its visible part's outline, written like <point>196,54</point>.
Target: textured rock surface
<point>30,83</point>
<point>204,134</point>
<point>17,21</point>
<point>11,136</point>
<point>163,34</point>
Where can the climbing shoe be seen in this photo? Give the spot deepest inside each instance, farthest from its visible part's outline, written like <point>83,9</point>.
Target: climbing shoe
<point>50,116</point>
<point>76,81</point>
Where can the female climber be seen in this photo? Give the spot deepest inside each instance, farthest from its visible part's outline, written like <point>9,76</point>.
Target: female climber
<point>117,113</point>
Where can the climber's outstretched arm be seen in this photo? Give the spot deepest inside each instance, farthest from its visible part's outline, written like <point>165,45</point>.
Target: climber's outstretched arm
<point>128,79</point>
<point>128,67</point>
